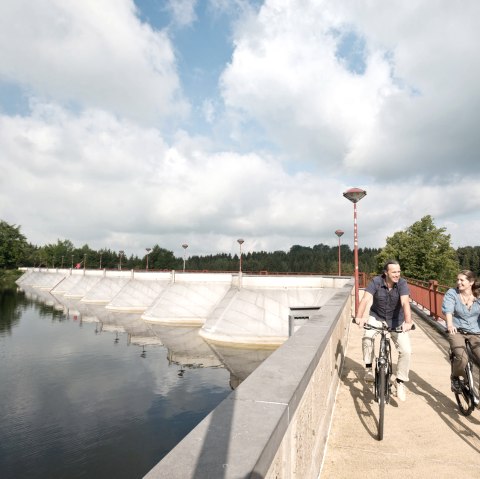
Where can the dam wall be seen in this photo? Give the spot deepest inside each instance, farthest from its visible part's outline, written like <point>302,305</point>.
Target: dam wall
<point>276,423</point>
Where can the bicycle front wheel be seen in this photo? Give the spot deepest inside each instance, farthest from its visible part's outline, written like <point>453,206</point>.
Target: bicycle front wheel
<point>465,398</point>
<point>381,385</point>
<point>465,401</point>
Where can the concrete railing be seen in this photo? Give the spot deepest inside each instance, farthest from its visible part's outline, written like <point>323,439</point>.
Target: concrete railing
<point>276,423</point>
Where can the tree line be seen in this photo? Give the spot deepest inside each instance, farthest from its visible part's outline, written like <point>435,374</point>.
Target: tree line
<point>423,250</point>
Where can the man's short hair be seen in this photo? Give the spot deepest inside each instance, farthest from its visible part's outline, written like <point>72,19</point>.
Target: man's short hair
<point>388,263</point>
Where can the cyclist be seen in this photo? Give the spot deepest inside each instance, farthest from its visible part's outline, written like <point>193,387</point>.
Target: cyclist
<point>389,297</point>
<point>461,307</point>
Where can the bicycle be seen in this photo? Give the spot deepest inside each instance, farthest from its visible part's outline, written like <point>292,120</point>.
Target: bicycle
<point>383,370</point>
<point>468,397</point>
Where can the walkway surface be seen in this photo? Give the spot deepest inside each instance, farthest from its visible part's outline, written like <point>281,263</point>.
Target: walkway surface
<point>424,437</point>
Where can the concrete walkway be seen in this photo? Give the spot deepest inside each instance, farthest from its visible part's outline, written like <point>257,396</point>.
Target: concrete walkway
<point>424,437</point>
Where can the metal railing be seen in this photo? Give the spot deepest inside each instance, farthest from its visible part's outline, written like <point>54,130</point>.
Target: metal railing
<point>429,295</point>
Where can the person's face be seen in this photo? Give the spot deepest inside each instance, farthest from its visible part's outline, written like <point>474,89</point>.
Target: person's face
<point>463,283</point>
<point>393,273</point>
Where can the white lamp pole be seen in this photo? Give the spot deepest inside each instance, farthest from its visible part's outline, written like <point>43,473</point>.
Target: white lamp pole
<point>355,195</point>
<point>148,252</point>
<point>339,233</point>
<point>184,246</point>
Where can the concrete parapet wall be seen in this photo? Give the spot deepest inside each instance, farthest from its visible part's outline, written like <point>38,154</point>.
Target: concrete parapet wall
<point>275,424</point>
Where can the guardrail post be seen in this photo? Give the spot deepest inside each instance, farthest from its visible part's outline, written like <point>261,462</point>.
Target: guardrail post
<point>432,297</point>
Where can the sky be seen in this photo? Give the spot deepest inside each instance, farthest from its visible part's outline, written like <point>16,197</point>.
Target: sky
<point>127,124</point>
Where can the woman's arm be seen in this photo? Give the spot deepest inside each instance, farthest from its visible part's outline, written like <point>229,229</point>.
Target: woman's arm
<point>450,326</point>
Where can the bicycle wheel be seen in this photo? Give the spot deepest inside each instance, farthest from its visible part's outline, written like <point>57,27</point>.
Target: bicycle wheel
<point>382,378</point>
<point>465,398</point>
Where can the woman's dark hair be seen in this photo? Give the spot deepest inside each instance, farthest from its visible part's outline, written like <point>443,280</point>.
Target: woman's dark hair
<point>471,277</point>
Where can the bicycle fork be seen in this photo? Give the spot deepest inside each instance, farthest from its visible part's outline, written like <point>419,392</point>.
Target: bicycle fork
<point>476,399</point>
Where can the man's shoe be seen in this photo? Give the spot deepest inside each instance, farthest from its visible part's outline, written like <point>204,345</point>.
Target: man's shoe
<point>401,391</point>
<point>369,376</point>
<point>456,385</point>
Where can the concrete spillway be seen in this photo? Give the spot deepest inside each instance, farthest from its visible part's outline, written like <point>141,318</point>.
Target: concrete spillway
<point>227,308</point>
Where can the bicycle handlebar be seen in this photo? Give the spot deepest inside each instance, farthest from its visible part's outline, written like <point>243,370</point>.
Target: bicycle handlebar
<point>383,328</point>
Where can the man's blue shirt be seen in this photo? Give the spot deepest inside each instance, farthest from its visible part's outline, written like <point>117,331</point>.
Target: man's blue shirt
<point>386,304</point>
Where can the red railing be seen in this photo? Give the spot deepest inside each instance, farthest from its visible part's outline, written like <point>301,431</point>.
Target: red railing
<point>429,295</point>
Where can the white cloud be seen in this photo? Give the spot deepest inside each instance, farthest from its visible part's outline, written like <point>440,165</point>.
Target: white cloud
<point>90,54</point>
<point>413,107</point>
<point>182,11</point>
<point>91,162</point>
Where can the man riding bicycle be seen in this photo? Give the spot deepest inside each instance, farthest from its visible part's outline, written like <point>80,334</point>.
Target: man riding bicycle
<point>389,295</point>
<point>461,307</point>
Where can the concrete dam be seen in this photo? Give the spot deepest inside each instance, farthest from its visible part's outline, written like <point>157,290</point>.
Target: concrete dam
<point>228,308</point>
<point>293,328</point>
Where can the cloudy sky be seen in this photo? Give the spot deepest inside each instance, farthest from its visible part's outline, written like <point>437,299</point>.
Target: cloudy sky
<point>130,123</point>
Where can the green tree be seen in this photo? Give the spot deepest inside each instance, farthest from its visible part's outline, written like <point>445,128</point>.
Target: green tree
<point>13,246</point>
<point>56,254</point>
<point>424,252</point>
<point>469,258</point>
<point>161,258</point>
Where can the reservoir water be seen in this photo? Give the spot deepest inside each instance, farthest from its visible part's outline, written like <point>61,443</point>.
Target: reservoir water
<point>80,401</point>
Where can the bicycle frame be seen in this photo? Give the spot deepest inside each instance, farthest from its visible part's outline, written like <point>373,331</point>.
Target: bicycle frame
<point>383,371</point>
<point>383,363</point>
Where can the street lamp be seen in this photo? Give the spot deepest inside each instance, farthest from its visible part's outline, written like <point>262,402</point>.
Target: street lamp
<point>355,195</point>
<point>120,253</point>
<point>100,267</point>
<point>240,242</point>
<point>148,252</point>
<point>184,246</point>
<point>339,233</point>
<point>72,261</point>
<point>84,262</point>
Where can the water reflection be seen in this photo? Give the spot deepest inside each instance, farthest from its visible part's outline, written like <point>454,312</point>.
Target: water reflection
<point>79,405</point>
<point>90,392</point>
<point>241,362</point>
<point>11,311</point>
<point>185,347</point>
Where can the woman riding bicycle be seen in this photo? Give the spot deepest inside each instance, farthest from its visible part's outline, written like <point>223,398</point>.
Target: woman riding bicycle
<point>461,307</point>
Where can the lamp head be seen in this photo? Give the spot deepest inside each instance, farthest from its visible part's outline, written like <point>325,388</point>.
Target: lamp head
<point>354,194</point>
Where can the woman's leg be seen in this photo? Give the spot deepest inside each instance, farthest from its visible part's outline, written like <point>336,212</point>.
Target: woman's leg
<point>475,346</point>
<point>460,357</point>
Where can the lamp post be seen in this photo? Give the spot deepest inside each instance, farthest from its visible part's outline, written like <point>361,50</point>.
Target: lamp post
<point>184,246</point>
<point>148,252</point>
<point>355,195</point>
<point>120,253</point>
<point>72,261</point>
<point>240,242</point>
<point>62,262</point>
<point>84,262</point>
<point>100,266</point>
<point>339,233</point>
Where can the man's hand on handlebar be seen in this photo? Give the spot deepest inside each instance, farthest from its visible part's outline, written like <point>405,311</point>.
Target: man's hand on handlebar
<point>360,322</point>
<point>407,326</point>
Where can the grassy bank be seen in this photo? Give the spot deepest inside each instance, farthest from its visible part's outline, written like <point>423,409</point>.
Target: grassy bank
<point>8,277</point>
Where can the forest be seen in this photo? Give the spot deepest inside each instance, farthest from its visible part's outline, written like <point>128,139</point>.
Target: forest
<point>423,250</point>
